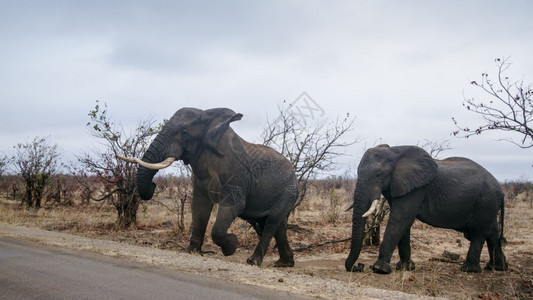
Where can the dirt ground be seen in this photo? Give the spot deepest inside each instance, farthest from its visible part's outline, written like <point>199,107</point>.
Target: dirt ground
<point>317,233</point>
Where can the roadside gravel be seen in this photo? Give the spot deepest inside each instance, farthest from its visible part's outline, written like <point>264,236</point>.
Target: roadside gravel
<point>279,279</point>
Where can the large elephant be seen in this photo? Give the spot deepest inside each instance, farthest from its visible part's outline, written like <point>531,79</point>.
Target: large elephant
<point>454,193</point>
<point>245,180</point>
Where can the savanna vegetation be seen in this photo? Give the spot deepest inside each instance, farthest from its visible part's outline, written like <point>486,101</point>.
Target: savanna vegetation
<point>95,196</point>
<point>319,233</point>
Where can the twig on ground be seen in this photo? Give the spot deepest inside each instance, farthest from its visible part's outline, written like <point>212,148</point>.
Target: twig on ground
<point>309,247</point>
<point>445,260</point>
<point>416,238</point>
<point>173,242</point>
<point>361,277</point>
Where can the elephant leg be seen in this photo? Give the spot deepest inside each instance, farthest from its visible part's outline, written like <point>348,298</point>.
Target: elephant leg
<point>497,258</point>
<point>286,256</point>
<point>471,263</point>
<point>258,225</point>
<point>273,222</point>
<point>201,211</point>
<point>403,212</point>
<point>404,250</point>
<point>227,242</point>
<point>271,225</point>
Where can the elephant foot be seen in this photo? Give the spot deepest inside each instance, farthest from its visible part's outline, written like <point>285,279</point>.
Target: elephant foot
<point>284,263</point>
<point>471,268</point>
<point>255,260</point>
<point>405,265</point>
<point>194,248</point>
<point>359,268</point>
<point>499,266</point>
<point>381,267</point>
<point>230,245</point>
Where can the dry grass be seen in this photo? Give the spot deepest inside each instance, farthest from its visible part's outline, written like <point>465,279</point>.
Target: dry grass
<point>321,218</point>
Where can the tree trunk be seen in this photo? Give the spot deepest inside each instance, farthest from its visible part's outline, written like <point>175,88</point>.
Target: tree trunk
<point>15,188</point>
<point>372,237</point>
<point>38,202</point>
<point>181,221</point>
<point>28,197</point>
<point>127,212</point>
<point>373,224</point>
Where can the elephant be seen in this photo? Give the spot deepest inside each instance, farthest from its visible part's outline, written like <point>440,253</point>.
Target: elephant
<point>245,180</point>
<point>454,193</point>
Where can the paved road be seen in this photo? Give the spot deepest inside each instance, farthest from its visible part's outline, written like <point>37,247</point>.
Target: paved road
<point>33,271</point>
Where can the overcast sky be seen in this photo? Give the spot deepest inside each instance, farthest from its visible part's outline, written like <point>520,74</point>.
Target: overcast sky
<point>400,67</point>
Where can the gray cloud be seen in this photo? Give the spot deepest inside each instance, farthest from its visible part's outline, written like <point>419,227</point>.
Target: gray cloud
<point>402,68</point>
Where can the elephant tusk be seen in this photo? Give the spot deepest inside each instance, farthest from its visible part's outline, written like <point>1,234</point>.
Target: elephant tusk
<point>371,209</point>
<point>127,159</point>
<point>164,164</point>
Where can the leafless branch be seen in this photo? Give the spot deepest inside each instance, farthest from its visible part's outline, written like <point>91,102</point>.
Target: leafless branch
<point>509,107</point>
<point>36,162</point>
<point>311,149</point>
<point>117,177</point>
<point>435,148</point>
<point>309,247</point>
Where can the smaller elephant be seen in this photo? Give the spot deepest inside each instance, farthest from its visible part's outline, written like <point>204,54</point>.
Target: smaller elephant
<point>454,193</point>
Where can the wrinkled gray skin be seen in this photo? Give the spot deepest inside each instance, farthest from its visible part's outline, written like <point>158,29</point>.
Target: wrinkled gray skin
<point>246,180</point>
<point>453,193</point>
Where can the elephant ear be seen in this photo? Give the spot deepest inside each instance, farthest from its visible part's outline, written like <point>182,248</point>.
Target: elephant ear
<point>218,120</point>
<point>414,168</point>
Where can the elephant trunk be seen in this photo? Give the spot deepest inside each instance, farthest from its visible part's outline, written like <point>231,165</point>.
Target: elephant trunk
<point>358,228</point>
<point>145,185</point>
<point>155,154</point>
<point>362,203</point>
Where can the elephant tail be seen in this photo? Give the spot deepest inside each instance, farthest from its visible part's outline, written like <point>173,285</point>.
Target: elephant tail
<point>503,240</point>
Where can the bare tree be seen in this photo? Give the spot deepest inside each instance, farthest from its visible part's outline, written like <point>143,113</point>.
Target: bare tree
<point>509,106</point>
<point>435,148</point>
<point>178,188</point>
<point>36,161</point>
<point>63,189</point>
<point>11,183</point>
<point>116,176</point>
<point>311,147</point>
<point>4,182</point>
<point>4,162</point>
<point>87,184</point>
